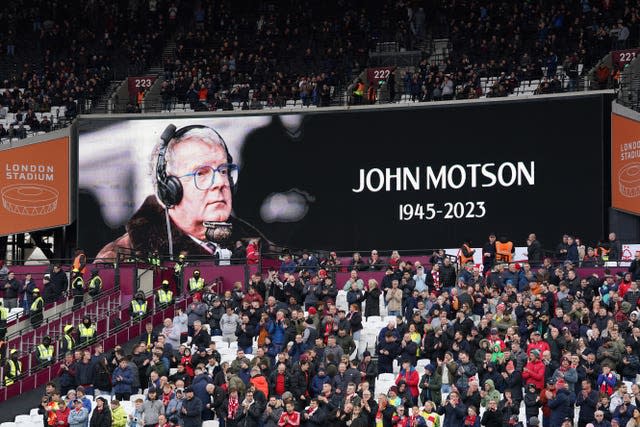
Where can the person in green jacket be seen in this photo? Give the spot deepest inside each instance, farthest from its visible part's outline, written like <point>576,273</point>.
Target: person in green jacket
<point>118,414</point>
<point>431,383</point>
<point>489,393</point>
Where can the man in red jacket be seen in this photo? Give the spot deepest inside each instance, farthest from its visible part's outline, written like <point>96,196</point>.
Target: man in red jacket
<point>289,418</point>
<point>537,343</point>
<point>533,372</point>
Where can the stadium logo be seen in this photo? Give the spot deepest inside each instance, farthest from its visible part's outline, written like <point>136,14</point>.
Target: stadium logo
<point>629,180</point>
<point>29,199</point>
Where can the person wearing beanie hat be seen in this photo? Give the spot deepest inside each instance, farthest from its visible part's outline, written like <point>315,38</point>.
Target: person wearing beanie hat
<point>533,372</point>
<point>101,414</point>
<point>430,385</point>
<point>560,404</point>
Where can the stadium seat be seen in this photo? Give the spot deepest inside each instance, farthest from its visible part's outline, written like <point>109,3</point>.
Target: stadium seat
<point>233,346</point>
<point>34,412</point>
<point>420,364</point>
<point>341,300</point>
<point>127,406</point>
<point>8,424</point>
<point>386,377</point>
<point>37,418</point>
<point>354,354</point>
<point>220,343</point>
<point>382,387</point>
<point>211,423</point>
<point>135,397</point>
<point>374,319</point>
<point>23,419</point>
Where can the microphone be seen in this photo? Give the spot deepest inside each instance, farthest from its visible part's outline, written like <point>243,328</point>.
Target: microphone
<point>217,232</point>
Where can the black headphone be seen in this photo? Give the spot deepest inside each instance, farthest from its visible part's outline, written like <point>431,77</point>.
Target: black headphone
<point>169,187</point>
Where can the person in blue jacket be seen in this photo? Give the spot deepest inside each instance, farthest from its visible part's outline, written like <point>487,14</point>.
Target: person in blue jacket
<point>561,404</point>
<point>122,379</point>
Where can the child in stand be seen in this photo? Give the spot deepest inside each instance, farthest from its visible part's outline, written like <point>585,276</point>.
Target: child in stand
<point>472,419</point>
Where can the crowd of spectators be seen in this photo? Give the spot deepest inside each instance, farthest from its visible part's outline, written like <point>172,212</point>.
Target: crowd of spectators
<point>518,42</point>
<point>277,52</point>
<point>66,54</point>
<point>460,347</point>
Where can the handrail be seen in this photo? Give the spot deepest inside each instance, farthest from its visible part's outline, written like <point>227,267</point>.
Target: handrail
<point>60,314</point>
<point>112,332</point>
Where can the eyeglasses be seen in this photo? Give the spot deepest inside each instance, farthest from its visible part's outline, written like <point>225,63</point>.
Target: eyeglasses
<point>204,176</point>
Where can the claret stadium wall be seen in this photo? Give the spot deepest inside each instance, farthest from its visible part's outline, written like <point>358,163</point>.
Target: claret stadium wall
<point>386,177</point>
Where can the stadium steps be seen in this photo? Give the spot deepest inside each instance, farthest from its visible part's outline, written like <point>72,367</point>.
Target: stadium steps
<point>102,105</point>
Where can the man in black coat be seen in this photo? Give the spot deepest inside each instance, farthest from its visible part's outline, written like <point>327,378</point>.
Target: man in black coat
<point>299,383</point>
<point>387,351</point>
<point>250,412</point>
<point>191,410</point>
<point>534,250</point>
<point>314,416</point>
<point>59,281</point>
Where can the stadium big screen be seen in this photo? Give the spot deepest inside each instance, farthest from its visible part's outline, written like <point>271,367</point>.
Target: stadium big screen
<point>396,178</point>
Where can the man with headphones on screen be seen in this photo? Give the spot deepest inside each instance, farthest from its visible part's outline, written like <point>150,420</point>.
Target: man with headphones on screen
<point>194,178</point>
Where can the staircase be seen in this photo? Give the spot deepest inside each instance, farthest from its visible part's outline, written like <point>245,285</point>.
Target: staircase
<point>102,104</point>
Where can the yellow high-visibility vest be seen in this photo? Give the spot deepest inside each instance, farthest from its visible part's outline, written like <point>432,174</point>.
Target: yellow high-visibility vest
<point>86,332</point>
<point>165,297</point>
<point>14,371</point>
<point>70,342</point>
<point>95,283</point>
<point>139,309</point>
<point>74,284</point>
<point>45,353</point>
<point>196,285</point>
<point>35,304</point>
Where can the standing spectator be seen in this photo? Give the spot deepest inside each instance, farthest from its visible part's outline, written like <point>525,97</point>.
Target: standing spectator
<point>59,281</point>
<point>191,409</point>
<point>11,291</point>
<point>122,379</point>
<point>615,248</point>
<point>534,250</point>
<point>26,292</point>
<point>587,400</point>
<point>101,416</point>
<point>229,323</point>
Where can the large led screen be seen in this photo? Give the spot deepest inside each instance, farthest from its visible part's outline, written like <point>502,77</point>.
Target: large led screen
<point>398,178</point>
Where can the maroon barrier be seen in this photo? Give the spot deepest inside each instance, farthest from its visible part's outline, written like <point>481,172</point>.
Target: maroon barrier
<point>109,339</point>
<point>106,271</point>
